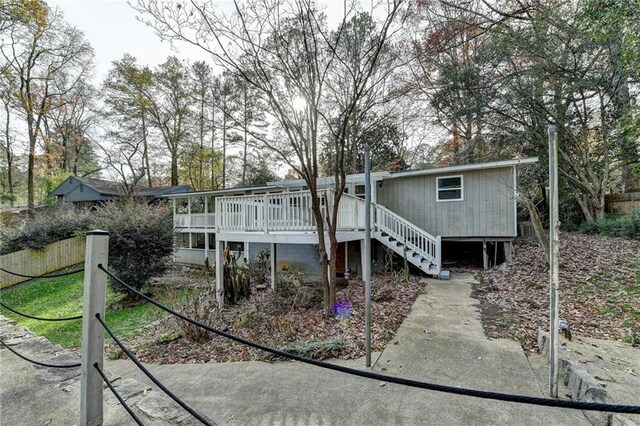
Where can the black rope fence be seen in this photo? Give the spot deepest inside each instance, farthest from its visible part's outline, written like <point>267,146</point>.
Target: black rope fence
<point>117,395</point>
<point>62,274</point>
<point>147,373</point>
<point>42,364</point>
<point>523,399</point>
<point>38,318</point>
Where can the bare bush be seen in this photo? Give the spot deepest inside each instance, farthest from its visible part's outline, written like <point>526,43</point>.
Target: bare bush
<point>200,306</point>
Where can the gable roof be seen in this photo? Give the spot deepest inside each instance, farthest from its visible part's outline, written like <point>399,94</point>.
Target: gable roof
<point>103,187</point>
<point>110,189</point>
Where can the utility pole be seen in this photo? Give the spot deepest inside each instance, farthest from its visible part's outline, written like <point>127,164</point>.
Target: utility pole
<point>366,269</point>
<point>554,228</point>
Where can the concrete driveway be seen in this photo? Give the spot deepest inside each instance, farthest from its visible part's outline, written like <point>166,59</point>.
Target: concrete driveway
<point>441,341</point>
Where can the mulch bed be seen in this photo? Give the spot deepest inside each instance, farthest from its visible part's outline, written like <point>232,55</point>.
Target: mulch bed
<point>599,289</point>
<point>292,320</point>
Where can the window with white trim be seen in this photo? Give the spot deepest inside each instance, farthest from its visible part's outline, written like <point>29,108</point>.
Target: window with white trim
<point>182,240</point>
<point>197,241</point>
<point>449,188</point>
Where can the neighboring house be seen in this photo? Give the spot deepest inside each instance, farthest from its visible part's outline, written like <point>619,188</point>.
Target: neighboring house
<point>413,211</point>
<point>91,190</point>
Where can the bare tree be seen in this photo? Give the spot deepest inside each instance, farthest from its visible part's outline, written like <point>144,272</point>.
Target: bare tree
<point>171,106</point>
<point>36,51</point>
<point>286,51</point>
<point>7,87</point>
<point>127,97</point>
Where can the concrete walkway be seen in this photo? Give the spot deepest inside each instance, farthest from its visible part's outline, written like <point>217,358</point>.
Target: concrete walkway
<point>452,350</point>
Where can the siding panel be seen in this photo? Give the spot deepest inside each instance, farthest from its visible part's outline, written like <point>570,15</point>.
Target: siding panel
<point>486,211</point>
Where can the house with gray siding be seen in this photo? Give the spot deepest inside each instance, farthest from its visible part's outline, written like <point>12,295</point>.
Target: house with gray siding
<point>85,190</point>
<point>426,213</point>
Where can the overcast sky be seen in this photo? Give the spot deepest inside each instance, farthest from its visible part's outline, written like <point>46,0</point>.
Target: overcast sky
<point>112,29</point>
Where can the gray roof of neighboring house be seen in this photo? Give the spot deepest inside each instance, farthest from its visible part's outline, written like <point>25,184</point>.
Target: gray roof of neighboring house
<point>103,187</point>
<point>110,188</point>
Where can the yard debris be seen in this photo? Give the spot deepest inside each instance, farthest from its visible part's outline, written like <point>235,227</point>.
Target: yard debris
<point>290,322</point>
<point>599,289</point>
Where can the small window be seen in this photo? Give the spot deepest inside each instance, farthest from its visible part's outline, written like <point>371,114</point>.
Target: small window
<point>182,205</point>
<point>182,240</point>
<point>197,241</point>
<point>235,246</point>
<point>449,188</point>
<point>197,205</point>
<point>212,241</point>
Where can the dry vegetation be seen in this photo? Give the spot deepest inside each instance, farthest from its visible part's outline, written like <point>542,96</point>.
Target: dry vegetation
<point>289,319</point>
<point>599,294</point>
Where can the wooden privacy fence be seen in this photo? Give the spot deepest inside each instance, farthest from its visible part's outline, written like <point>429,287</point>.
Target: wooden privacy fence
<point>622,203</point>
<point>52,257</point>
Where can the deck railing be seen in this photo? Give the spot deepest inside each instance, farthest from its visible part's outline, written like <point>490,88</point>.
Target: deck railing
<point>403,231</point>
<point>195,220</point>
<point>288,211</point>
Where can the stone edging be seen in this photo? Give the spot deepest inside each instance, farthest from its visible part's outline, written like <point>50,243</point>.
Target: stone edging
<point>583,386</point>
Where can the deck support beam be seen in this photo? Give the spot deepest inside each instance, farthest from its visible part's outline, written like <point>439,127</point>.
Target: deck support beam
<point>485,255</point>
<point>220,273</point>
<point>363,259</point>
<point>272,258</point>
<point>508,250</point>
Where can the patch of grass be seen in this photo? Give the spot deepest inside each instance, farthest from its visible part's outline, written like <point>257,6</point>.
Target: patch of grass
<point>62,297</point>
<point>510,319</point>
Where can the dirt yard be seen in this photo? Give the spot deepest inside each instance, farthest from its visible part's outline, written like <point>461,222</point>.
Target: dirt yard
<point>289,319</point>
<point>599,290</point>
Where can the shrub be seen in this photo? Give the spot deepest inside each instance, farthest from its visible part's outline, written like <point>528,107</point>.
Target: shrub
<point>235,279</point>
<point>45,228</point>
<point>199,306</point>
<point>259,268</point>
<point>140,240</point>
<point>627,226</point>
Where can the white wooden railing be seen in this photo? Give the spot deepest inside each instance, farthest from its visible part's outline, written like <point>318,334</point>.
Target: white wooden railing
<point>195,220</point>
<point>351,211</point>
<point>289,211</point>
<point>405,232</point>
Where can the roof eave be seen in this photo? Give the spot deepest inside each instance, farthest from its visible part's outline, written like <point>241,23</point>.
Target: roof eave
<point>465,167</point>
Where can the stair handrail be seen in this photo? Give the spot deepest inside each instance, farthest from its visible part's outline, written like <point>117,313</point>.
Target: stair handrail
<point>434,240</point>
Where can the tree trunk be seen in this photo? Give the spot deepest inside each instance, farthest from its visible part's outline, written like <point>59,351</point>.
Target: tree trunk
<point>322,249</point>
<point>31,164</point>
<point>145,147</point>
<point>224,150</point>
<point>7,134</point>
<point>174,167</point>
<point>214,183</point>
<point>201,153</point>
<point>333,263</point>
<point>543,238</point>
<point>246,141</point>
